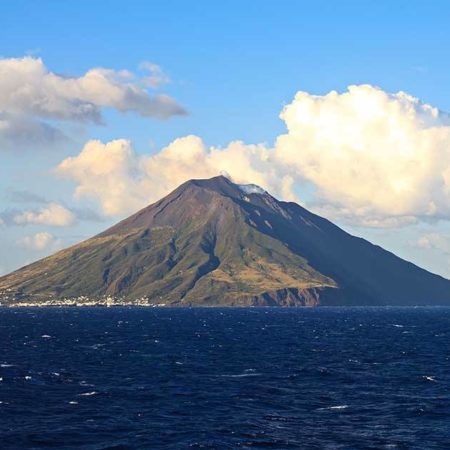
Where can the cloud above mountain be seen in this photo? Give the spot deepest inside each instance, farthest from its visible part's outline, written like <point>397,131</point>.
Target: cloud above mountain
<point>34,100</point>
<point>364,156</point>
<point>123,181</point>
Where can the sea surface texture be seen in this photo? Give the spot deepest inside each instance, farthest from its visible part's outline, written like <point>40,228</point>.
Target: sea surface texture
<point>136,378</point>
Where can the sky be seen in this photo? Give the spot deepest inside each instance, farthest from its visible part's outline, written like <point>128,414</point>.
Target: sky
<point>341,106</point>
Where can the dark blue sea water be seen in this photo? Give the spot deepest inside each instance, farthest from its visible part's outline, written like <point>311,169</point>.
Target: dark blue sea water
<point>131,378</point>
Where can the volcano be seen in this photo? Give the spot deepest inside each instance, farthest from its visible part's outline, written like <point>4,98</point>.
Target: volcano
<point>215,243</point>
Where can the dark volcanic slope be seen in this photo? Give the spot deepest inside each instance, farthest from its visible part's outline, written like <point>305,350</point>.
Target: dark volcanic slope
<point>210,243</point>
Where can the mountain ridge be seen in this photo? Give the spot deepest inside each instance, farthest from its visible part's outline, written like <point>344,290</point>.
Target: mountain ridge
<point>213,243</point>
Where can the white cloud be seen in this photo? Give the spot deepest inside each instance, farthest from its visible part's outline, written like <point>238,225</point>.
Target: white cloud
<point>365,157</point>
<point>40,241</point>
<point>118,168</point>
<point>52,214</point>
<point>30,95</point>
<point>130,181</point>
<point>376,156</point>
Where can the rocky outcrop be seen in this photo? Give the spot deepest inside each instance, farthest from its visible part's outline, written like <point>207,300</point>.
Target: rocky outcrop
<point>286,297</point>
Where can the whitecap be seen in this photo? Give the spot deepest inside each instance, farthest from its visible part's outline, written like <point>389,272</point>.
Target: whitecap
<point>429,378</point>
<point>45,336</point>
<point>6,365</point>
<point>337,407</point>
<point>27,377</point>
<point>88,394</point>
<point>73,403</point>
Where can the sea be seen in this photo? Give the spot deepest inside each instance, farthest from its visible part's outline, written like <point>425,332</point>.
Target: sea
<point>252,378</point>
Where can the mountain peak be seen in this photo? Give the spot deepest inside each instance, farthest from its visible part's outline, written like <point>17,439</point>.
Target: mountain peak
<point>225,185</point>
<point>219,183</point>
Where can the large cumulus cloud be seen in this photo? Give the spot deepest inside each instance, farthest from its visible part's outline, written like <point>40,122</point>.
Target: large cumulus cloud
<point>374,157</point>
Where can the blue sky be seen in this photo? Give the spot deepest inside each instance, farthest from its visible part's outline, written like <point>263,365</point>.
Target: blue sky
<point>233,66</point>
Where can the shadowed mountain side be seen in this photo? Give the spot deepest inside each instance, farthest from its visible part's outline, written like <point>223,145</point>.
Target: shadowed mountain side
<point>210,242</point>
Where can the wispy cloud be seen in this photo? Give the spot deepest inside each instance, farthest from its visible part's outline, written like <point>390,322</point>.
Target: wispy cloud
<point>51,213</point>
<point>155,76</point>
